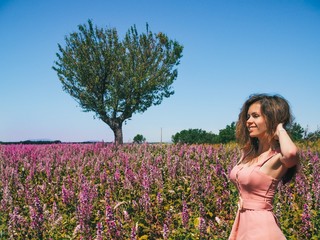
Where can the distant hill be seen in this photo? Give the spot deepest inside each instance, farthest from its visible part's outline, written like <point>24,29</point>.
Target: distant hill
<point>47,141</point>
<point>33,142</point>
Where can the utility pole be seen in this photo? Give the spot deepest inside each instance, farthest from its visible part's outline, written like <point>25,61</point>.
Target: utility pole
<point>161,136</point>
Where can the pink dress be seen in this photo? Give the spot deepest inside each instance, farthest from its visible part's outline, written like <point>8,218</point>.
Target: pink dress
<point>255,219</point>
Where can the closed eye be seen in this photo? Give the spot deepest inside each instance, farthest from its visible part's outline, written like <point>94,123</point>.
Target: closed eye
<point>254,115</point>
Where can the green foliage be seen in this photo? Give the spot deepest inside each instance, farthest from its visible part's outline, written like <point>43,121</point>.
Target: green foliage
<point>199,136</point>
<point>296,132</point>
<point>139,139</point>
<point>192,136</point>
<point>113,78</point>
<point>228,134</point>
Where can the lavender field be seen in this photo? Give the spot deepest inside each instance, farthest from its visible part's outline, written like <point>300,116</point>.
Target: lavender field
<point>100,191</point>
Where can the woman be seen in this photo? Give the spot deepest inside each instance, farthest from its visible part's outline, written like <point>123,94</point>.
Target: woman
<point>268,156</point>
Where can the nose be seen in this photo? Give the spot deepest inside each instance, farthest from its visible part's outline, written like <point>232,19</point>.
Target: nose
<point>249,121</point>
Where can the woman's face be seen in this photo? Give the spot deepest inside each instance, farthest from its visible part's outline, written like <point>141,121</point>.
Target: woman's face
<point>256,123</point>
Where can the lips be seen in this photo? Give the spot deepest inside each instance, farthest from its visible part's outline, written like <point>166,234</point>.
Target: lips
<point>250,129</point>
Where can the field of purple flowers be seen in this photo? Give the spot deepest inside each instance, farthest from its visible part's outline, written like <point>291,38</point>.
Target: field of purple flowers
<point>100,191</point>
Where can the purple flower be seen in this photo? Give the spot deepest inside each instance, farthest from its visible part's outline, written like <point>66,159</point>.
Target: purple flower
<point>84,210</point>
<point>99,231</point>
<point>66,194</point>
<point>202,226</point>
<point>134,230</point>
<point>126,215</point>
<point>117,175</point>
<point>185,214</point>
<point>306,218</point>
<point>159,198</point>
<point>36,215</point>
<point>110,221</point>
<point>145,182</point>
<point>6,198</point>
<point>16,221</point>
<point>165,231</point>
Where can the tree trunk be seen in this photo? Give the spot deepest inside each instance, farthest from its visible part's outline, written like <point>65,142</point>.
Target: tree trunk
<point>118,137</point>
<point>116,127</point>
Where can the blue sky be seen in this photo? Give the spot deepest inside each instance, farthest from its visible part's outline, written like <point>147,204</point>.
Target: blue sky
<point>232,48</point>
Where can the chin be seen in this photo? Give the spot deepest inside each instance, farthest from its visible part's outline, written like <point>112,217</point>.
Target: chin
<point>252,135</point>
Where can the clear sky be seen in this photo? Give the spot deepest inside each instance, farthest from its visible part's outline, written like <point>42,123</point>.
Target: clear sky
<point>232,48</point>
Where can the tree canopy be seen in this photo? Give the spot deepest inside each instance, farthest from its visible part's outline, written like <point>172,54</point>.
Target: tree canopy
<point>113,78</point>
<point>296,131</point>
<point>195,136</point>
<point>139,138</point>
<point>226,135</point>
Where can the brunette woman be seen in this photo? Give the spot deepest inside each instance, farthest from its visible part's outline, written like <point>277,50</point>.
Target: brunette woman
<point>268,157</point>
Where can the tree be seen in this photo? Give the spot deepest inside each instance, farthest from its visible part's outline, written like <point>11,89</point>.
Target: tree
<point>139,139</point>
<point>296,131</point>
<point>114,78</point>
<point>194,136</point>
<point>228,134</point>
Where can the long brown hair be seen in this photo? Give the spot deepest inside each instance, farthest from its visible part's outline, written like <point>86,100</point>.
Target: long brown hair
<point>274,108</point>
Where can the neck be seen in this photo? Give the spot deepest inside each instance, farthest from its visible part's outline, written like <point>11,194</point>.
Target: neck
<point>263,145</point>
<point>263,148</point>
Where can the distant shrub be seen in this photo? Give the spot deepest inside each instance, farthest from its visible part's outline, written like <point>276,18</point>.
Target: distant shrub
<point>195,136</point>
<point>139,139</point>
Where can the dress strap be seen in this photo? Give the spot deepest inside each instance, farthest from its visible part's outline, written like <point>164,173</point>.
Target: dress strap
<point>270,155</point>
